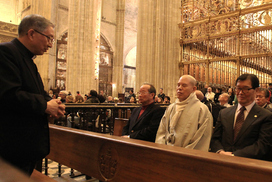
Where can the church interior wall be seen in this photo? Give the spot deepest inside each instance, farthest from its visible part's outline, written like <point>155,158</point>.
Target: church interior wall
<point>9,11</point>
<point>64,2</point>
<point>12,11</point>
<point>60,19</point>
<point>108,21</point>
<point>130,32</point>
<point>108,31</point>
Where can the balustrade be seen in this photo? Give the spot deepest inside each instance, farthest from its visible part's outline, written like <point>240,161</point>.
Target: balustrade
<point>95,117</point>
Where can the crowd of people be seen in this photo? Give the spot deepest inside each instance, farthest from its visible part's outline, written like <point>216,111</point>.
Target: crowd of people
<point>241,116</point>
<point>226,97</point>
<point>91,97</point>
<point>94,97</point>
<point>161,98</point>
<point>242,126</point>
<point>205,119</point>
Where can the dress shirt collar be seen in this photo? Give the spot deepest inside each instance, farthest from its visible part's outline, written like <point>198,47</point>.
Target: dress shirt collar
<point>248,107</point>
<point>226,105</point>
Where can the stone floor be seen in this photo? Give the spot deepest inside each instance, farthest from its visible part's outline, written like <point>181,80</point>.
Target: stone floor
<point>65,173</point>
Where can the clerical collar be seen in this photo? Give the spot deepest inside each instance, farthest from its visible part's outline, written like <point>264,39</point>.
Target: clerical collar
<point>27,53</point>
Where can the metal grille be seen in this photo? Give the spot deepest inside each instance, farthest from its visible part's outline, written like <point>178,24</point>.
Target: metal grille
<point>223,39</point>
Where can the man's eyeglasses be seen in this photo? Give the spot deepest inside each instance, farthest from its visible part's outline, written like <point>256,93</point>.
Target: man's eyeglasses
<point>244,90</point>
<point>50,39</point>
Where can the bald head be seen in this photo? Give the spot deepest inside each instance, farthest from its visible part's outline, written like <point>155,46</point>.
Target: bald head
<point>223,98</point>
<point>191,79</point>
<point>186,85</point>
<point>199,95</point>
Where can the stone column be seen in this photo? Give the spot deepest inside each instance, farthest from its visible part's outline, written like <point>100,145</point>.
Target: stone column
<point>42,8</point>
<point>118,62</point>
<point>83,45</point>
<point>158,47</point>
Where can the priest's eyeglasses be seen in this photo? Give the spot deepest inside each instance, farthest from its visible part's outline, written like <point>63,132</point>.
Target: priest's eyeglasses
<point>50,39</point>
<point>244,90</point>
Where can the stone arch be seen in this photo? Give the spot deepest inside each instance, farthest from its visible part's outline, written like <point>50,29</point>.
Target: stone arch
<point>106,41</point>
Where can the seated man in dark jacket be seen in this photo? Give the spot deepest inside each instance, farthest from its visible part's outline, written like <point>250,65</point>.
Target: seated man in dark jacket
<point>244,130</point>
<point>144,121</point>
<point>92,97</point>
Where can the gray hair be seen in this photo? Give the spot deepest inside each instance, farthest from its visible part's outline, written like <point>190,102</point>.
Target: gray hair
<point>64,92</point>
<point>266,92</point>
<point>33,21</point>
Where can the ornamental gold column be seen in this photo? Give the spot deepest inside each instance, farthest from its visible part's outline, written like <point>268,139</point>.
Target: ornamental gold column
<point>118,61</point>
<point>42,8</point>
<point>83,46</point>
<point>157,60</point>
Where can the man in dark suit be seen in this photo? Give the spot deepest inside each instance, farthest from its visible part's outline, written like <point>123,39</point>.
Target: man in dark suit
<point>24,105</point>
<point>244,130</point>
<point>144,121</point>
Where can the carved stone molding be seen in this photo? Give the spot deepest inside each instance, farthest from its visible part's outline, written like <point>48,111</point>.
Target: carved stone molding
<point>108,161</point>
<point>4,38</point>
<point>7,27</point>
<point>65,8</point>
<point>108,22</point>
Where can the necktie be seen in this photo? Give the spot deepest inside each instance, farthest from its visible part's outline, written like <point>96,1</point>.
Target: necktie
<point>239,122</point>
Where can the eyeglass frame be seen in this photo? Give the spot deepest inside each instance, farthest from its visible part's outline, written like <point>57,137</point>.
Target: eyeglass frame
<point>260,96</point>
<point>244,90</point>
<point>50,39</point>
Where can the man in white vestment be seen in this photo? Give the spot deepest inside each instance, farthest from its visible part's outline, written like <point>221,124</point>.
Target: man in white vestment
<point>187,122</point>
<point>210,95</point>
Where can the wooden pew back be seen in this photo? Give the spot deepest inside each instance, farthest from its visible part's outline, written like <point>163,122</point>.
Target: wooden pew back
<point>113,158</point>
<point>119,124</point>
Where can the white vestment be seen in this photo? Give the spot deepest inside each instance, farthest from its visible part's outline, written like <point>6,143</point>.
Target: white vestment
<point>186,124</point>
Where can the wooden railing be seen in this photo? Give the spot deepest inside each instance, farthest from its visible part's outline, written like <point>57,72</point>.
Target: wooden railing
<point>95,117</point>
<point>112,158</point>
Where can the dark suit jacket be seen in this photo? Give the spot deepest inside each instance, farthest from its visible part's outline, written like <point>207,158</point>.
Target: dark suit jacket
<point>145,128</point>
<point>254,139</point>
<point>24,133</point>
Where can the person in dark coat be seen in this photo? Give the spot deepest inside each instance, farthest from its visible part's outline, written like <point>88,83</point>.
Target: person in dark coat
<point>92,97</point>
<point>244,130</point>
<point>24,105</point>
<point>144,121</point>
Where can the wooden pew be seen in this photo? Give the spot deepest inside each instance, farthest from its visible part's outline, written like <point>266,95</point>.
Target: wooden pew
<point>119,124</point>
<point>112,158</point>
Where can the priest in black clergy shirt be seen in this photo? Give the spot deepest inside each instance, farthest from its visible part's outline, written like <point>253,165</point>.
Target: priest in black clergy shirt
<point>24,105</point>
<point>144,121</point>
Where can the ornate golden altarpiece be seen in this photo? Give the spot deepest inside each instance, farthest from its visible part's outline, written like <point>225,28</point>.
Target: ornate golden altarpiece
<point>221,39</point>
